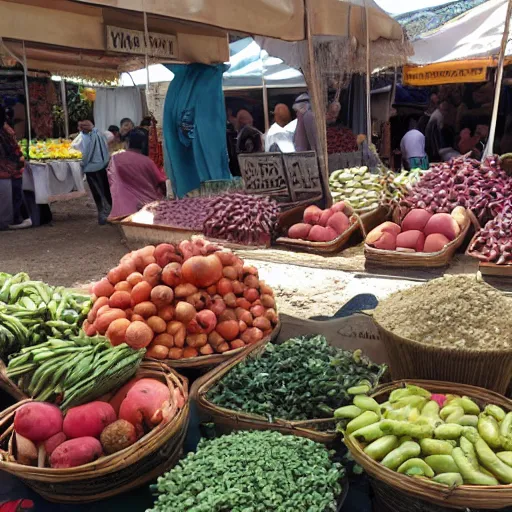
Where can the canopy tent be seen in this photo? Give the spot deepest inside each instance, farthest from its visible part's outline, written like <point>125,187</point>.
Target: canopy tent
<point>71,39</point>
<point>475,34</point>
<point>321,29</point>
<point>280,19</point>
<point>249,66</point>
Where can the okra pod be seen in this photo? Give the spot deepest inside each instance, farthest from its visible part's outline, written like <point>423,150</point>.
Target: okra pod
<point>367,403</point>
<point>489,430</point>
<point>442,464</point>
<point>490,461</point>
<point>399,455</point>
<point>365,419</point>
<point>468,472</point>
<point>449,479</point>
<point>379,448</point>
<point>436,447</point>
<point>410,466</point>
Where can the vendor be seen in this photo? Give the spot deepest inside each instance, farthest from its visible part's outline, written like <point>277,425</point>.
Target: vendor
<point>134,178</point>
<point>412,147</point>
<point>11,168</point>
<point>95,158</point>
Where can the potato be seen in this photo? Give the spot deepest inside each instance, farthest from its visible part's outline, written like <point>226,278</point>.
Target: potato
<point>385,227</point>
<point>386,241</point>
<point>461,216</point>
<point>76,452</point>
<point>103,321</point>
<point>312,214</point>
<point>299,231</point>
<point>88,419</point>
<point>339,222</point>
<point>320,234</point>
<point>413,239</point>
<point>120,299</point>
<point>324,218</point>
<point>435,242</point>
<point>416,219</point>
<point>116,331</point>
<point>442,223</point>
<point>145,309</point>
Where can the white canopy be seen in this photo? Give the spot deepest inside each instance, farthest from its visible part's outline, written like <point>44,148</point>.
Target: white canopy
<point>249,64</point>
<point>477,33</point>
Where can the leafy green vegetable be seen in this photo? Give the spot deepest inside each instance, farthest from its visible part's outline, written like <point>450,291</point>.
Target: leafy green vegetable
<point>259,471</point>
<point>300,379</point>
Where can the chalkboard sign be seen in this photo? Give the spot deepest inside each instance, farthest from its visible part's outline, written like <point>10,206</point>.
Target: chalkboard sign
<point>284,176</point>
<point>303,174</point>
<point>264,173</point>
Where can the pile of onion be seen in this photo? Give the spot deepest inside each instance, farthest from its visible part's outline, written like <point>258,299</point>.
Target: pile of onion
<point>182,301</point>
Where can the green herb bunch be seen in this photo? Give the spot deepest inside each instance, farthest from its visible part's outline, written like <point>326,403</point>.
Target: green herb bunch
<point>259,471</point>
<point>300,379</point>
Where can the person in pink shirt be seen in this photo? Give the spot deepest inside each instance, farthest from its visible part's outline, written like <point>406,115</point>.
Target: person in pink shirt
<point>134,178</point>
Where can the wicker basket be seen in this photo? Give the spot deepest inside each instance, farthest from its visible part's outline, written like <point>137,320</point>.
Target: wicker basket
<point>206,363</point>
<point>149,457</point>
<point>442,258</point>
<point>391,486</point>
<point>229,420</point>
<point>358,224</point>
<point>489,369</point>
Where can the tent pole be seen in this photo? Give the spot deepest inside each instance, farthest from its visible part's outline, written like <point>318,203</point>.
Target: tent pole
<point>265,103</point>
<point>146,58</point>
<point>27,98</point>
<point>499,77</point>
<point>368,77</point>
<point>318,106</point>
<point>64,106</point>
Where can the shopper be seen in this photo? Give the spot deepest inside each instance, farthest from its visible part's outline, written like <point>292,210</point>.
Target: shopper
<point>134,178</point>
<point>11,169</point>
<point>279,137</point>
<point>126,125</point>
<point>412,147</point>
<point>95,158</point>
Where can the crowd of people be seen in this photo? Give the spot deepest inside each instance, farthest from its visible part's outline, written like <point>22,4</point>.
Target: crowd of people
<point>120,175</point>
<point>449,128</point>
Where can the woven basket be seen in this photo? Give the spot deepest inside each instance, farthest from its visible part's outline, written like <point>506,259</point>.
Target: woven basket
<point>490,369</point>
<point>149,457</point>
<point>391,486</point>
<point>206,363</point>
<point>358,224</point>
<point>230,420</point>
<point>442,258</point>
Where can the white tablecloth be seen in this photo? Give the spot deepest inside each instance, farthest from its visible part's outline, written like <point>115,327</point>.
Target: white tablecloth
<point>54,178</point>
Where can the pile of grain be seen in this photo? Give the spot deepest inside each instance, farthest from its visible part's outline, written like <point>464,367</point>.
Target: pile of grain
<point>453,311</point>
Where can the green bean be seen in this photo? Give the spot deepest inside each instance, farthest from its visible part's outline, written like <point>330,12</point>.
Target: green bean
<point>379,448</point>
<point>505,457</point>
<point>368,434</point>
<point>451,431</point>
<point>347,412</point>
<point>469,451</point>
<point>469,406</point>
<point>489,430</point>
<point>495,411</point>
<point>436,447</point>
<point>366,404</point>
<point>403,428</point>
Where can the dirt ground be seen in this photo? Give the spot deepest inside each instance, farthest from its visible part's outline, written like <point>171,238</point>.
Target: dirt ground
<point>75,250</point>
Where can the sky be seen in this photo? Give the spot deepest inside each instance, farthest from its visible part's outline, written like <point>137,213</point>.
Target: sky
<point>401,6</point>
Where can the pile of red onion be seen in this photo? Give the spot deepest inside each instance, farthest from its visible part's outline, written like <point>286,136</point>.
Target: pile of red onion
<point>242,218</point>
<point>482,187</point>
<point>494,242</point>
<point>189,213</point>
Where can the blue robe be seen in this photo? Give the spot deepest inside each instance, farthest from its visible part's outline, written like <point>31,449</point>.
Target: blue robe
<point>194,127</point>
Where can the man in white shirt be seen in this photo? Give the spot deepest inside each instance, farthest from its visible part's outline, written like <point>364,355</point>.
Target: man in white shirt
<point>280,134</point>
<point>412,147</point>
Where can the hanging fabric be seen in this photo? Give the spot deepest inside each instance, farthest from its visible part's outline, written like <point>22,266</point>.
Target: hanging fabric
<point>194,127</point>
<point>112,105</point>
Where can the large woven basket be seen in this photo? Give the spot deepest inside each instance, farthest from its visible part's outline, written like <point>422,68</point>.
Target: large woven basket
<point>442,258</point>
<point>359,224</point>
<point>229,420</point>
<point>409,359</point>
<point>149,457</point>
<point>400,493</point>
<point>206,363</point>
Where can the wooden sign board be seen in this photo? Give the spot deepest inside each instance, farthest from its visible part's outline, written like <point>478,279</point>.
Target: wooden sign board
<point>303,174</point>
<point>263,173</point>
<point>123,40</point>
